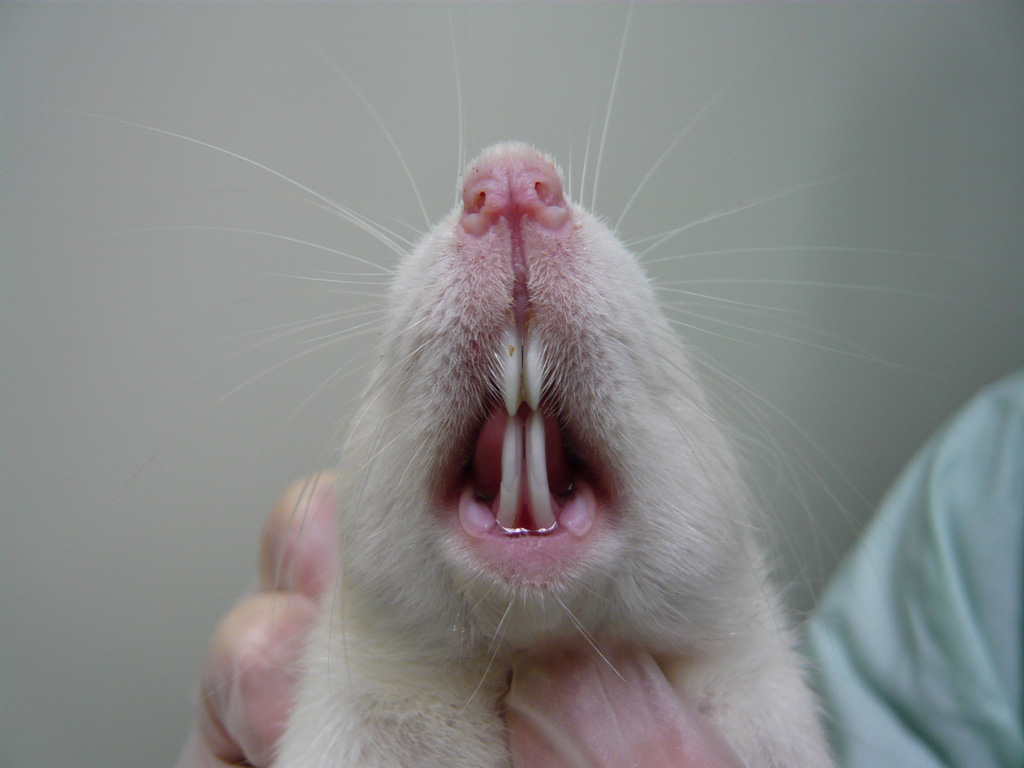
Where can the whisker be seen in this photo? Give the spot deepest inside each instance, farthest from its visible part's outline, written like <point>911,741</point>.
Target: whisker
<point>701,329</point>
<point>611,102</point>
<point>293,327</point>
<point>717,300</point>
<point>346,334</point>
<point>333,339</point>
<point>339,274</point>
<point>586,635</point>
<point>787,454</point>
<point>380,122</point>
<point>328,280</point>
<point>350,215</point>
<point>659,240</point>
<point>244,231</point>
<point>402,243</point>
<point>458,99</point>
<point>792,339</point>
<point>394,370</point>
<point>492,650</point>
<point>568,175</point>
<point>487,594</point>
<point>794,425</point>
<point>409,464</point>
<point>876,289</point>
<point>302,502</point>
<point>586,156</point>
<point>801,249</point>
<point>339,372</point>
<point>706,109</point>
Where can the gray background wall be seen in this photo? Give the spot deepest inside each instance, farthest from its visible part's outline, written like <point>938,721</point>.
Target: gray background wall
<point>151,414</point>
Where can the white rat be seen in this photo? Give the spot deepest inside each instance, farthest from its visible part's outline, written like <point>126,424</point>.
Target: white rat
<point>533,462</point>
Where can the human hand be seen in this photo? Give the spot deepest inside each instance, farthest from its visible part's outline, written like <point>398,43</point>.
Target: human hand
<point>574,708</point>
<point>251,670</point>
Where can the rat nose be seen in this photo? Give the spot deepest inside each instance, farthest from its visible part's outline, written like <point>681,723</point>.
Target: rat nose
<point>512,183</point>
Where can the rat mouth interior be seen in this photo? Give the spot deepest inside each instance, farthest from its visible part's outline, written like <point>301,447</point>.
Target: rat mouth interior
<point>521,479</point>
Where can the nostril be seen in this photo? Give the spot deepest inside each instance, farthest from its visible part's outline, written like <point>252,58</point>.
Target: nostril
<point>542,198</point>
<point>474,201</point>
<point>478,198</point>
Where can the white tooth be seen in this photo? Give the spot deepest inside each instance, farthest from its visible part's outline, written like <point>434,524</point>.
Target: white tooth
<point>512,371</point>
<point>537,473</point>
<point>533,370</point>
<point>511,473</point>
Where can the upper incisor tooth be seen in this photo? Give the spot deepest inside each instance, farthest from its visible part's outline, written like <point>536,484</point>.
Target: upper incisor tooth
<point>511,473</point>
<point>537,473</point>
<point>512,371</point>
<point>533,370</point>
<point>522,367</point>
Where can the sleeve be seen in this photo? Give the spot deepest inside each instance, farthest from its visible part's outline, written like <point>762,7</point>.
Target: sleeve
<point>917,643</point>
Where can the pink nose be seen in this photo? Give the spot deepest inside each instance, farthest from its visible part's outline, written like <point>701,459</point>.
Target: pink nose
<point>513,184</point>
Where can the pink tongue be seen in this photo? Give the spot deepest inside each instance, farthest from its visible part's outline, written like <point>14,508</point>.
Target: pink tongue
<point>487,454</point>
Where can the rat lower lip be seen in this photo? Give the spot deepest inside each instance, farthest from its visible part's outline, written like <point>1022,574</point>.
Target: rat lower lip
<point>576,512</point>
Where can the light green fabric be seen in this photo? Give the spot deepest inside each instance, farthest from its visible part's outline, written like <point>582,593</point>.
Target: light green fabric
<point>918,640</point>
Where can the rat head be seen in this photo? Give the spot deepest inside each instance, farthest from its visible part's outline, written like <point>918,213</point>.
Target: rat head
<point>533,442</point>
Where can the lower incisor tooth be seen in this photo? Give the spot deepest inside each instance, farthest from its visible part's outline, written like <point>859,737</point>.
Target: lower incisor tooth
<point>511,473</point>
<point>537,473</point>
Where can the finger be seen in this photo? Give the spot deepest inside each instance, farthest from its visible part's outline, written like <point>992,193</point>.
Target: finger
<point>573,708</point>
<point>299,547</point>
<point>196,754</point>
<point>250,675</point>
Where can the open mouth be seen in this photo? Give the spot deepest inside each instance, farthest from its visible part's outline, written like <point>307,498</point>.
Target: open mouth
<point>526,498</point>
<point>524,479</point>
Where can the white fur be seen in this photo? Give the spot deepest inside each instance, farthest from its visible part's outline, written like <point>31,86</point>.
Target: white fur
<point>411,657</point>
